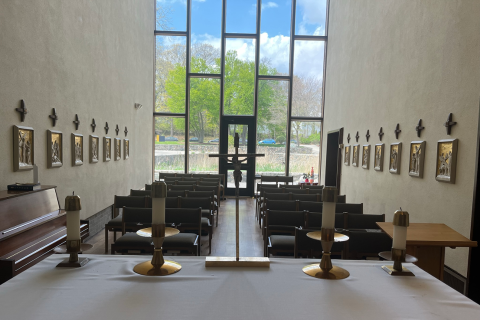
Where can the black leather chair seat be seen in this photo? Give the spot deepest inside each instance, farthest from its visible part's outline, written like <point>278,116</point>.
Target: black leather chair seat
<point>117,221</point>
<point>280,242</point>
<point>132,239</point>
<point>206,213</point>
<point>180,240</point>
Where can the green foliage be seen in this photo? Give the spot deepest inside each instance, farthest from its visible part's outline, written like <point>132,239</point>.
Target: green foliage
<point>314,138</point>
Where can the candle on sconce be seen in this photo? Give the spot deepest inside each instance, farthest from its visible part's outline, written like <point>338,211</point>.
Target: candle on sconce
<point>159,193</point>
<point>329,198</point>
<point>73,207</point>
<point>400,224</point>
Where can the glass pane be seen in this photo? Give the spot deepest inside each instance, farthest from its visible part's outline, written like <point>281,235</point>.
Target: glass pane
<point>206,36</point>
<point>170,74</point>
<point>275,39</point>
<point>308,79</point>
<point>204,124</point>
<point>272,126</point>
<point>241,16</point>
<point>310,17</point>
<point>239,77</point>
<point>231,180</point>
<point>242,131</point>
<point>304,149</point>
<point>169,145</point>
<point>171,15</point>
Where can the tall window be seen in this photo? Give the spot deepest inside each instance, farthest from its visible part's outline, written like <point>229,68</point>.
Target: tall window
<point>239,57</point>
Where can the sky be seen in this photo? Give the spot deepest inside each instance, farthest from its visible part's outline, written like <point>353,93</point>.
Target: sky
<point>274,29</point>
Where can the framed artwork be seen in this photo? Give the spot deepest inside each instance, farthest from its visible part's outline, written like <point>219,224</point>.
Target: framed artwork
<point>416,160</point>
<point>94,148</point>
<point>365,156</point>
<point>378,162</point>
<point>446,160</point>
<point>77,149</point>
<point>126,148</point>
<point>118,149</point>
<point>346,160</point>
<point>23,148</point>
<point>54,149</point>
<point>355,155</point>
<point>107,149</point>
<point>395,157</point>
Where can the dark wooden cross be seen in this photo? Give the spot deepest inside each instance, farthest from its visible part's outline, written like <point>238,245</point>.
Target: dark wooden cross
<point>117,129</point>
<point>397,130</point>
<point>126,131</point>
<point>357,136</point>
<point>106,128</point>
<point>93,125</point>
<point>447,124</point>
<point>419,128</point>
<point>23,111</point>
<point>76,121</point>
<point>54,117</point>
<point>368,135</point>
<point>348,138</point>
<point>237,175</point>
<point>380,133</point>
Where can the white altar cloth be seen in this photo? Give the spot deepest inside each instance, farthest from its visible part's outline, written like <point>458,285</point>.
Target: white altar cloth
<point>107,288</point>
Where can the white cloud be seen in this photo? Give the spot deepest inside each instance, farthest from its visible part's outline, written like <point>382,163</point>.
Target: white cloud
<point>269,5</point>
<point>314,12</point>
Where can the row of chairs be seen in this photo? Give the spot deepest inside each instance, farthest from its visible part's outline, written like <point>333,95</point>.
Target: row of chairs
<point>183,176</point>
<point>187,220</point>
<point>279,230</point>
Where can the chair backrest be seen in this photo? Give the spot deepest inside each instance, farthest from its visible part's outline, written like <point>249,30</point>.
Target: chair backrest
<point>208,183</point>
<point>271,190</point>
<point>214,180</point>
<point>363,221</point>
<point>299,191</point>
<point>200,194</point>
<point>311,206</point>
<point>172,202</point>
<point>307,197</point>
<point>276,196</point>
<point>349,207</point>
<point>186,183</point>
<point>314,220</point>
<point>220,176</point>
<point>163,175</point>
<point>140,216</point>
<point>184,175</point>
<point>309,248</point>
<point>270,180</point>
<point>181,187</point>
<point>285,179</point>
<point>171,181</point>
<point>140,193</point>
<point>207,188</point>
<point>191,179</point>
<point>291,186</point>
<point>148,186</point>
<point>176,193</point>
<point>340,198</point>
<point>204,203</point>
<point>185,218</point>
<point>285,218</point>
<point>306,186</point>
<point>128,201</point>
<point>287,205</point>
<point>367,244</point>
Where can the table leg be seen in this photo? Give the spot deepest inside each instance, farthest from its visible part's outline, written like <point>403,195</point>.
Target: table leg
<point>430,259</point>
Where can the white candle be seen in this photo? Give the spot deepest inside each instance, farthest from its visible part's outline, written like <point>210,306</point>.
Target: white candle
<point>35,174</point>
<point>73,225</point>
<point>158,210</point>
<point>328,215</point>
<point>399,237</point>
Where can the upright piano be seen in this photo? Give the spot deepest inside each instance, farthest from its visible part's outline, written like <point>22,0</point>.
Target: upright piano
<point>32,224</point>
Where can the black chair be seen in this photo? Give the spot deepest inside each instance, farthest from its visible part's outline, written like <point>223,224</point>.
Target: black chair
<point>176,193</point>
<point>286,205</point>
<point>260,203</point>
<point>163,175</point>
<point>285,179</point>
<point>206,205</point>
<point>276,196</point>
<point>202,194</point>
<point>216,196</point>
<point>115,224</point>
<point>349,207</point>
<point>364,244</point>
<point>307,197</point>
<point>184,175</point>
<point>188,221</point>
<point>299,191</point>
<point>134,219</point>
<point>181,187</point>
<point>279,235</point>
<point>341,199</point>
<point>307,247</point>
<point>306,186</point>
<point>140,193</point>
<point>291,186</point>
<point>186,183</point>
<point>311,206</point>
<point>148,186</point>
<point>172,202</point>
<point>313,220</point>
<point>363,221</point>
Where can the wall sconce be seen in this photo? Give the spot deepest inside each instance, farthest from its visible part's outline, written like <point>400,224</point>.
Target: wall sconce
<point>138,106</point>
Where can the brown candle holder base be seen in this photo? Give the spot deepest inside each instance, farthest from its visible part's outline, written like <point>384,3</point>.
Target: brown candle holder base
<point>397,256</point>
<point>148,269</point>
<point>77,264</point>
<point>73,247</point>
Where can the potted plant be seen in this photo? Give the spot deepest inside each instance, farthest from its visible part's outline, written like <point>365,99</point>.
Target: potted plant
<point>306,176</point>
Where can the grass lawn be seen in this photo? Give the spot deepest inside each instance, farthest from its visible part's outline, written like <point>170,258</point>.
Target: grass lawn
<point>171,142</point>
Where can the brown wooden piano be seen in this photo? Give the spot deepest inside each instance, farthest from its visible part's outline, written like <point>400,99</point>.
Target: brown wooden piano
<point>32,224</point>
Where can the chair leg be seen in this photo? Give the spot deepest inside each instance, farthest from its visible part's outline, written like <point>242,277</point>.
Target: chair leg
<point>112,249</point>
<point>210,242</point>
<point>114,235</point>
<point>106,240</point>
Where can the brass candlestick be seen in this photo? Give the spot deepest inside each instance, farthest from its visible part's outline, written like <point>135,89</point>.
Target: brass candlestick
<point>158,266</point>
<point>325,270</point>
<point>73,247</point>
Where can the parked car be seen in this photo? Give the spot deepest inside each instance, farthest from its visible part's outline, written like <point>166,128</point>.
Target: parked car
<point>214,140</point>
<point>171,139</point>
<point>292,141</point>
<point>194,139</point>
<point>267,141</point>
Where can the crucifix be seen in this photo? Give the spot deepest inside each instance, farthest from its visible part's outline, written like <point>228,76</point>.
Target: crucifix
<point>368,135</point>
<point>447,124</point>
<point>117,129</point>
<point>106,128</point>
<point>380,133</point>
<point>76,122</point>
<point>54,117</point>
<point>126,131</point>
<point>22,110</point>
<point>237,175</point>
<point>357,136</point>
<point>348,138</point>
<point>93,125</point>
<point>419,128</point>
<point>397,130</point>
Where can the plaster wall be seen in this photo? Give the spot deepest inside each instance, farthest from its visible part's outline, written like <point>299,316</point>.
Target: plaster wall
<point>398,61</point>
<point>91,58</point>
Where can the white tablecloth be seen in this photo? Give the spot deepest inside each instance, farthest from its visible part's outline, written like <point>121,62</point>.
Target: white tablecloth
<point>107,288</point>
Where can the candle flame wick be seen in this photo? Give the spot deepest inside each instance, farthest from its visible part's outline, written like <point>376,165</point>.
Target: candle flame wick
<point>74,194</point>
<point>401,209</point>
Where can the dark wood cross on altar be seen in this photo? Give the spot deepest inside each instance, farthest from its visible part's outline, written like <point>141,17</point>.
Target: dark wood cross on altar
<point>237,175</point>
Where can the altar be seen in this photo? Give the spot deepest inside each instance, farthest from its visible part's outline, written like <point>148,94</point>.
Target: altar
<point>108,288</point>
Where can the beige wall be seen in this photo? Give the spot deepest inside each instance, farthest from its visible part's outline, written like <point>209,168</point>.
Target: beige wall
<point>91,58</point>
<point>398,61</point>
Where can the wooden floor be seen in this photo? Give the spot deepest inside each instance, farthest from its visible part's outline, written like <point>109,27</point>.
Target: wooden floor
<point>223,241</point>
